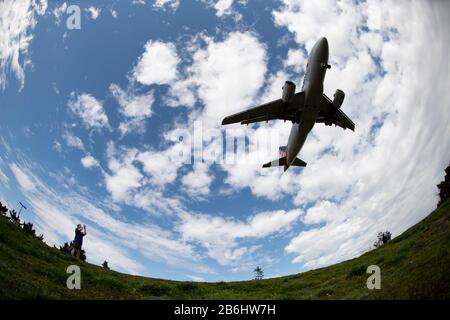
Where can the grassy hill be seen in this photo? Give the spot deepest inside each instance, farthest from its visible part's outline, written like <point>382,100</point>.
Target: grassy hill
<point>414,265</point>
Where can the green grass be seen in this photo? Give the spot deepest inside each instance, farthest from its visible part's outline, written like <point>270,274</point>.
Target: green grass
<point>415,265</point>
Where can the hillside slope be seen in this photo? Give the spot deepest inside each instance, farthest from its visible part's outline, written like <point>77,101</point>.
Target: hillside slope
<point>414,265</point>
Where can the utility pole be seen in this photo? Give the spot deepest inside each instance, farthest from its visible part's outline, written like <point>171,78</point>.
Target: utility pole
<point>21,207</point>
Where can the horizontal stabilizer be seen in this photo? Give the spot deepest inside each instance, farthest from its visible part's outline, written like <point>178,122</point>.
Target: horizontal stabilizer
<point>275,163</point>
<point>282,162</point>
<point>298,163</point>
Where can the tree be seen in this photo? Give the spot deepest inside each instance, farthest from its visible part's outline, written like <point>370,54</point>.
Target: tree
<point>14,217</point>
<point>444,187</point>
<point>383,238</point>
<point>28,228</point>
<point>3,209</point>
<point>105,265</point>
<point>259,274</point>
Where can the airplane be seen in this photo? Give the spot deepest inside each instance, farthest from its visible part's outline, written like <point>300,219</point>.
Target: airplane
<point>303,109</point>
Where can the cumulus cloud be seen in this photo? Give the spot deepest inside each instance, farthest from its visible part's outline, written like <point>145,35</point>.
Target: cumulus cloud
<point>228,74</point>
<point>224,76</point>
<point>17,22</point>
<point>383,175</point>
<point>89,109</point>
<point>89,162</point>
<point>93,12</point>
<point>197,182</point>
<point>136,108</point>
<point>220,236</point>
<point>163,4</point>
<point>296,59</point>
<point>71,141</point>
<point>157,65</point>
<point>223,7</point>
<point>125,176</point>
<point>309,20</point>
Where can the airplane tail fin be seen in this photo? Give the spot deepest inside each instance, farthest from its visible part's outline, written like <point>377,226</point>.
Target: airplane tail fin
<point>282,162</point>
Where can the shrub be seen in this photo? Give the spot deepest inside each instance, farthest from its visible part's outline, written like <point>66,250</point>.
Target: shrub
<point>383,238</point>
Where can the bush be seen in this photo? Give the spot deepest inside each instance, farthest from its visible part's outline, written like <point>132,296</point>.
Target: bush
<point>14,217</point>
<point>383,238</point>
<point>3,210</point>
<point>28,228</point>
<point>444,187</point>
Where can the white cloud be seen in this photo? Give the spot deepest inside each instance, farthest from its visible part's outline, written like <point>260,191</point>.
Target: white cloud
<point>136,108</point>
<point>114,13</point>
<point>59,11</point>
<point>127,182</point>
<point>4,180</point>
<point>162,4</point>
<point>157,164</point>
<point>156,202</point>
<point>220,236</point>
<point>196,278</point>
<point>93,12</point>
<point>89,109</point>
<point>158,64</point>
<point>22,178</point>
<point>57,146</point>
<point>17,21</point>
<point>181,93</point>
<point>133,106</point>
<point>89,162</point>
<point>227,75</point>
<point>108,238</point>
<point>72,141</point>
<point>197,182</point>
<point>382,176</point>
<point>296,59</point>
<point>223,7</point>
<point>125,175</point>
<point>309,20</point>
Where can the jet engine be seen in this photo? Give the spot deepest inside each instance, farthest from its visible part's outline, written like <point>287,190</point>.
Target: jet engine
<point>339,96</point>
<point>288,91</point>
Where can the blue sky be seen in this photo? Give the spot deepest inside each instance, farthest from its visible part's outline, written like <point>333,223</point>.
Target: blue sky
<point>91,120</point>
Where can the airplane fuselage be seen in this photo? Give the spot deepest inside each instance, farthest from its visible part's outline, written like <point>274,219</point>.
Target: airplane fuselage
<point>313,88</point>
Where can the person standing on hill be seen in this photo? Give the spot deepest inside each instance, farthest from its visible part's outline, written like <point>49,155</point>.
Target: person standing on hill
<point>80,232</point>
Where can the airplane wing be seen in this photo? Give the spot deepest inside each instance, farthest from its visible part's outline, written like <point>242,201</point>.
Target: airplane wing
<point>277,109</point>
<point>330,115</point>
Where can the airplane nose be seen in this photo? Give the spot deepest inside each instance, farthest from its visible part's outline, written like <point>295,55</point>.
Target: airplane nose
<point>323,44</point>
